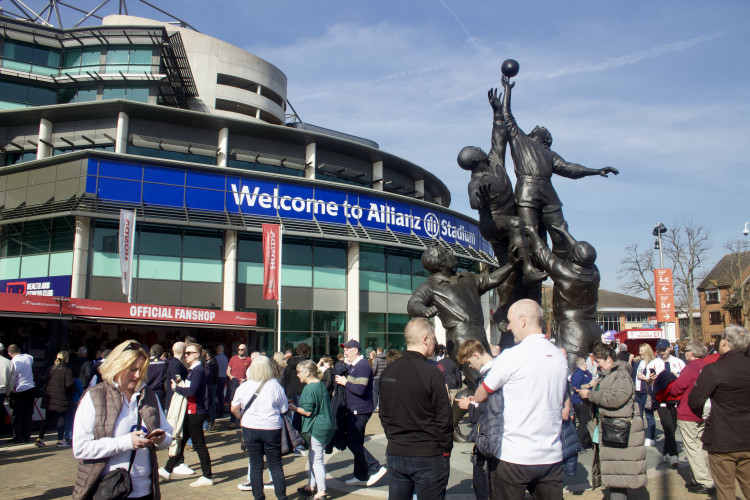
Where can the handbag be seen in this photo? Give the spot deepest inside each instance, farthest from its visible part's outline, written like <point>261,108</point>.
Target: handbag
<point>290,437</point>
<point>257,391</point>
<point>615,432</point>
<point>117,484</point>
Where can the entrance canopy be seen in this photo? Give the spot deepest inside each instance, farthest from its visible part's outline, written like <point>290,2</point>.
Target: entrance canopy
<point>121,311</point>
<point>634,337</point>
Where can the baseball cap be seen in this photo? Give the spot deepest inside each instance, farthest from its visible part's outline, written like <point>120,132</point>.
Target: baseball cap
<point>662,344</point>
<point>352,343</point>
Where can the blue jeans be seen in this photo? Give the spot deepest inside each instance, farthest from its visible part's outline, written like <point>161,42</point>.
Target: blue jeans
<point>365,464</point>
<point>427,477</point>
<point>640,398</point>
<point>261,442</point>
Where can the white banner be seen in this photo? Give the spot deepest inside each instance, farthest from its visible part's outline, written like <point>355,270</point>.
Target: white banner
<point>126,238</point>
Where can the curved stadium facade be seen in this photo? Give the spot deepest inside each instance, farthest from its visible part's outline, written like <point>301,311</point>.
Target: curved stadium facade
<point>191,133</point>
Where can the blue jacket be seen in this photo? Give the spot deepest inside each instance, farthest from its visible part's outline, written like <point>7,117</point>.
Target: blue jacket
<point>487,433</point>
<point>571,447</point>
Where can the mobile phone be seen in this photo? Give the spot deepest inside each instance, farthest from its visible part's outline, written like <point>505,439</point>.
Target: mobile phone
<point>652,370</point>
<point>177,378</point>
<point>155,433</point>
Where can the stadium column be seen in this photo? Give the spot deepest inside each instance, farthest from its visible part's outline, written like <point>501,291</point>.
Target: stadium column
<point>80,258</point>
<point>121,136</point>
<point>223,154</point>
<point>352,290</point>
<point>310,161</point>
<point>230,270</point>
<point>419,188</point>
<point>44,147</point>
<point>377,176</point>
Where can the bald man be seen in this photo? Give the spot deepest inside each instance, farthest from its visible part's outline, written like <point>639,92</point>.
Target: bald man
<point>237,373</point>
<point>533,376</point>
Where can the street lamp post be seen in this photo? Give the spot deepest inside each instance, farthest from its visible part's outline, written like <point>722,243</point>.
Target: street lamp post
<point>659,229</point>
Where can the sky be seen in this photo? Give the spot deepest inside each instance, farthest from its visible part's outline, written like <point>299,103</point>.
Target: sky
<point>658,90</point>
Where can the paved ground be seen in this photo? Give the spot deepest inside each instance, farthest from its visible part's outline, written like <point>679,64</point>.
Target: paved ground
<point>30,472</point>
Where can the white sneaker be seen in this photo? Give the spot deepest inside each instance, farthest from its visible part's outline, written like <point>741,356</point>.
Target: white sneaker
<point>245,486</point>
<point>268,485</point>
<point>202,481</point>
<point>164,474</point>
<point>649,442</point>
<point>183,470</point>
<point>355,482</point>
<point>666,458</point>
<point>376,477</point>
<point>674,461</point>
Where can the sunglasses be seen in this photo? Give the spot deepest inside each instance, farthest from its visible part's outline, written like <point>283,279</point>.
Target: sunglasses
<point>191,352</point>
<point>135,346</point>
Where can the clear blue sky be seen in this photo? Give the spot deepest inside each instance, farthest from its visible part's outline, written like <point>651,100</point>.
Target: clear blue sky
<point>658,90</point>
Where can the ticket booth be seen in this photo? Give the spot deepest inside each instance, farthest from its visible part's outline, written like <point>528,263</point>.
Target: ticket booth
<point>634,337</point>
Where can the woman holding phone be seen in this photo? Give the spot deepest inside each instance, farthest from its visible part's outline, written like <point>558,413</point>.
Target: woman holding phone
<point>317,426</point>
<point>106,431</point>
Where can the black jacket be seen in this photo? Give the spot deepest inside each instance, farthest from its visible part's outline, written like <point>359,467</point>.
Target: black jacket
<point>289,379</point>
<point>59,388</point>
<point>727,383</point>
<point>451,372</point>
<point>414,408</point>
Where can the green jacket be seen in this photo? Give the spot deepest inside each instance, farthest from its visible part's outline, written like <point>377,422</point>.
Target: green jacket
<point>315,399</point>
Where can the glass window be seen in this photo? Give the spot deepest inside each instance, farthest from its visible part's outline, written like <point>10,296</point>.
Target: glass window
<point>714,318</point>
<point>113,92</point>
<point>91,57</point>
<point>33,266</point>
<point>399,264</point>
<point>19,51</point>
<point>209,271</point>
<point>371,322</point>
<point>35,238</point>
<point>371,258</point>
<point>140,55</point>
<point>329,321</point>
<point>609,321</point>
<point>106,264</point>
<point>204,245</point>
<point>137,150</point>
<point>329,255</point>
<point>292,340</point>
<point>63,234</point>
<point>712,296</point>
<point>266,317</point>
<point>10,240</point>
<point>250,273</point>
<point>296,253</point>
<point>10,268</point>
<point>105,237</point>
<point>158,267</point>
<point>86,95</point>
<point>372,281</point>
<point>42,96</point>
<point>329,277</point>
<point>296,320</point>
<point>12,91</point>
<point>160,241</point>
<point>396,341</point>
<point>397,322</point>
<point>296,276</point>
<point>399,283</point>
<point>250,248</point>
<point>138,94</point>
<point>117,55</point>
<point>372,341</point>
<point>61,264</point>
<point>71,58</point>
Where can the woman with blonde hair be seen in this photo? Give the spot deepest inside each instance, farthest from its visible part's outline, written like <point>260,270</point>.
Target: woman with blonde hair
<point>317,426</point>
<point>56,399</point>
<point>119,422</point>
<point>259,404</point>
<point>643,391</point>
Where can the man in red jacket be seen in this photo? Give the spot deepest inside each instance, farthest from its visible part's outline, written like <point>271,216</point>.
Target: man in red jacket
<point>690,425</point>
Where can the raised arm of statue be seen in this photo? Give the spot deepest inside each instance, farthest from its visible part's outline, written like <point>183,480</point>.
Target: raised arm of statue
<point>510,121</point>
<point>499,132</point>
<point>576,171</point>
<point>492,280</point>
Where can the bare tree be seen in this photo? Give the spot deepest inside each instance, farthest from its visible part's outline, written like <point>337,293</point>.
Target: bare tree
<point>737,276</point>
<point>637,272</point>
<point>686,246</point>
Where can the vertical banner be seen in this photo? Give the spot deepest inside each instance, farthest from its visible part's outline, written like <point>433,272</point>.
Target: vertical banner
<point>271,261</point>
<point>664,295</point>
<point>126,237</point>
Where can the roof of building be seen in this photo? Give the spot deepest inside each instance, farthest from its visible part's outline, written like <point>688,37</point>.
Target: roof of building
<point>614,300</point>
<point>722,273</point>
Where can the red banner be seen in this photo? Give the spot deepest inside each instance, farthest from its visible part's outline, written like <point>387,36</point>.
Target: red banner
<point>29,303</point>
<point>664,295</point>
<point>271,263</point>
<point>152,312</point>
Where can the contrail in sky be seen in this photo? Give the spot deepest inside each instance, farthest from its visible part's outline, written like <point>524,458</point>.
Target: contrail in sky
<point>471,38</point>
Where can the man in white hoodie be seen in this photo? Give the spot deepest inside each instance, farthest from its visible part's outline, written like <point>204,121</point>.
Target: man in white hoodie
<point>6,378</point>
<point>23,394</point>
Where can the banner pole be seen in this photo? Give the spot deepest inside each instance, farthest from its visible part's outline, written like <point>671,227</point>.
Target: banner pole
<point>281,238</point>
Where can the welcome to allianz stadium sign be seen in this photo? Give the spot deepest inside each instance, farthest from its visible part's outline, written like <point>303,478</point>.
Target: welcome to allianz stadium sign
<point>200,190</point>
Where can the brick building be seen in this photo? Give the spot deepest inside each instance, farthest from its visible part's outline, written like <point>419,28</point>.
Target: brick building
<point>723,293</point>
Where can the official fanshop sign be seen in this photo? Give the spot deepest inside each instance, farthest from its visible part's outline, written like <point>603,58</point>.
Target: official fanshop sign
<point>152,312</point>
<point>271,249</point>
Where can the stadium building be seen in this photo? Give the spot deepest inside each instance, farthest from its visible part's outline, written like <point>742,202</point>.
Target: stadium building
<point>193,134</point>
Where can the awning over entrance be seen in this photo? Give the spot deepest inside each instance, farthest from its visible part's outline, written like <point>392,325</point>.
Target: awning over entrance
<point>632,338</point>
<point>105,310</point>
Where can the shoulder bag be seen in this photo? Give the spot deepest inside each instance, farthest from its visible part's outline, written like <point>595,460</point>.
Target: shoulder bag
<point>117,484</point>
<point>257,391</point>
<point>290,437</point>
<point>616,431</point>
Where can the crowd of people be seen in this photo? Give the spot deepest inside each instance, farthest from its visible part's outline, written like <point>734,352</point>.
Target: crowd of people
<point>530,417</point>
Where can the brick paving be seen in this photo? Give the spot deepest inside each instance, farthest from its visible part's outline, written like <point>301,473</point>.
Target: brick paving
<point>48,473</point>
